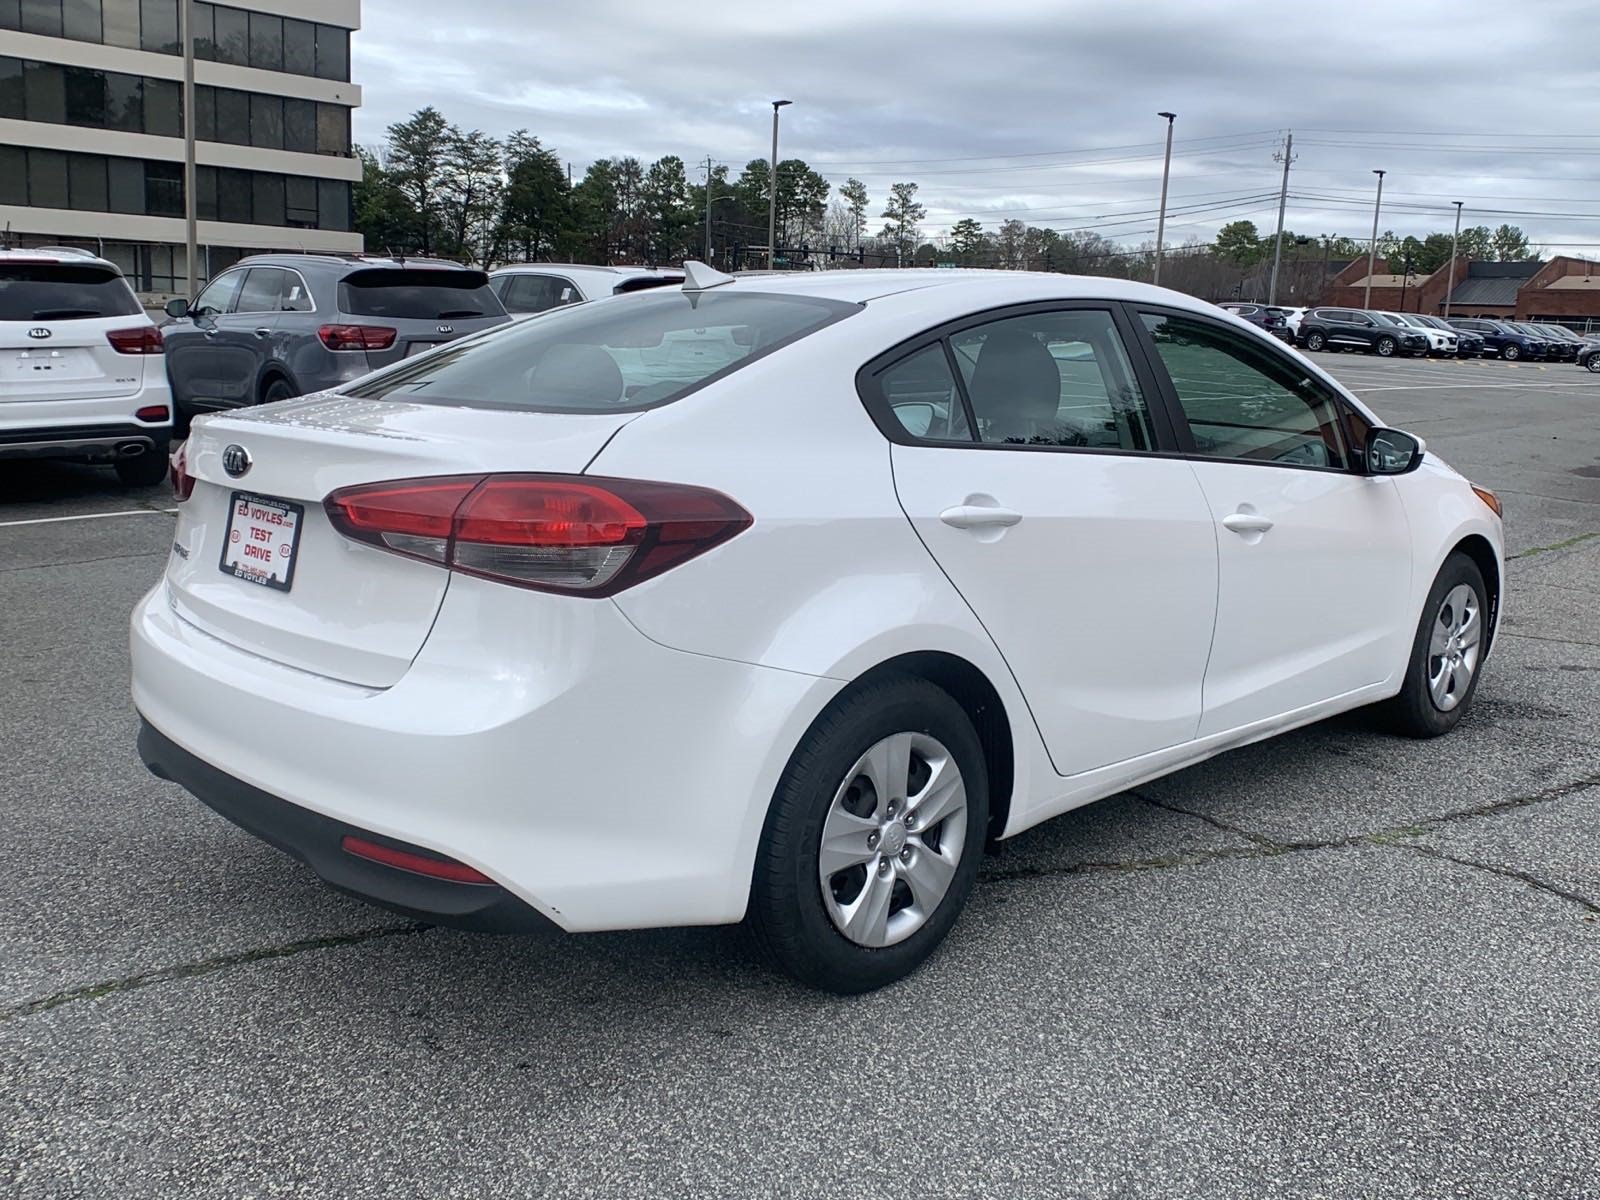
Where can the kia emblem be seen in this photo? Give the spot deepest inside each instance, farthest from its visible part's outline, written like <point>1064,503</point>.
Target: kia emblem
<point>39,332</point>
<point>235,460</point>
<point>447,329</point>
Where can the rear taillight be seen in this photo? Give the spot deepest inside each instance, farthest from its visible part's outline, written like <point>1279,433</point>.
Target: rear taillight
<point>555,533</point>
<point>182,481</point>
<point>409,860</point>
<point>153,412</point>
<point>142,339</point>
<point>356,337</point>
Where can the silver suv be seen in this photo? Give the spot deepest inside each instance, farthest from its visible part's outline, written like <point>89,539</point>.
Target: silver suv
<point>82,375</point>
<point>279,325</point>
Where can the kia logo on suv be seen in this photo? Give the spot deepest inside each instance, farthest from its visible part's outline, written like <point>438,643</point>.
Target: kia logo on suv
<point>235,460</point>
<point>40,332</point>
<point>447,329</point>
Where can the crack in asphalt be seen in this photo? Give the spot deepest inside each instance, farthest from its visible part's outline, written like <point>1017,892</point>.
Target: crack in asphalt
<point>204,966</point>
<point>1527,877</point>
<point>1563,545</point>
<point>78,562</point>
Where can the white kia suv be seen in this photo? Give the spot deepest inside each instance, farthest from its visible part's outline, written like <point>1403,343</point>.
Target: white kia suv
<point>84,374</point>
<point>777,598</point>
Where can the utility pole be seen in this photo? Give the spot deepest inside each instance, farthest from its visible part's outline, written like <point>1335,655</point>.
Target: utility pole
<point>191,240</point>
<point>1166,170</point>
<point>1454,242</point>
<point>708,209</point>
<point>1286,156</point>
<point>1372,252</point>
<point>772,190</point>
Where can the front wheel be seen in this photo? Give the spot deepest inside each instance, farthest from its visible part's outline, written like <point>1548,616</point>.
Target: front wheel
<point>1594,363</point>
<point>1511,354</point>
<point>1315,341</point>
<point>873,840</point>
<point>1451,638</point>
<point>1385,347</point>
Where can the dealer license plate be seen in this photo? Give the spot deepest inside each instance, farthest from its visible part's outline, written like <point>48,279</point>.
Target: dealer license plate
<point>262,538</point>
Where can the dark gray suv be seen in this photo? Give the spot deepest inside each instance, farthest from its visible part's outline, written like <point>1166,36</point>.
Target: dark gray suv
<point>279,325</point>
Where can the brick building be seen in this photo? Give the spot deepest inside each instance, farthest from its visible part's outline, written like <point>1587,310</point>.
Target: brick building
<point>1563,289</point>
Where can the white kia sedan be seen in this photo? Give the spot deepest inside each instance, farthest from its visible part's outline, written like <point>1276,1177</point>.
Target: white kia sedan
<point>775,599</point>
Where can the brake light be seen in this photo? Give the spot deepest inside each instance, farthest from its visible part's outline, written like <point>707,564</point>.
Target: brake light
<point>356,337</point>
<point>142,339</point>
<point>579,535</point>
<point>182,481</point>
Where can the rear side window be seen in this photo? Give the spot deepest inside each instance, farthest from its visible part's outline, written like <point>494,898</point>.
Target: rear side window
<point>537,293</point>
<point>418,295</point>
<point>47,292</point>
<point>608,357</point>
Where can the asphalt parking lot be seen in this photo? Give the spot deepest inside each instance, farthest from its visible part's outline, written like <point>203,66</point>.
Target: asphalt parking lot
<point>1336,964</point>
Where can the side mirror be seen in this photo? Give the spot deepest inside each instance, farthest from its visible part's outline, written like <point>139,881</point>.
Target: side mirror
<point>1391,452</point>
<point>177,307</point>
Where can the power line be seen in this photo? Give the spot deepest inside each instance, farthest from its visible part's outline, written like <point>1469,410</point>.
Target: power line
<point>897,162</point>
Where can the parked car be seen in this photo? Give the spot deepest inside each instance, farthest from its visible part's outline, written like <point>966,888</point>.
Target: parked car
<point>529,288</point>
<point>1468,345</point>
<point>85,376</point>
<point>1440,342</point>
<point>1273,320</point>
<point>279,325</point>
<point>1352,329</point>
<point>1589,357</point>
<point>1291,318</point>
<point>1500,339</point>
<point>1561,345</point>
<point>566,628</point>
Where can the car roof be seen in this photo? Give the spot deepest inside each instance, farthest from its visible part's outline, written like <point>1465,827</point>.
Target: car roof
<point>58,254</point>
<point>979,287</point>
<point>351,262</point>
<point>540,268</point>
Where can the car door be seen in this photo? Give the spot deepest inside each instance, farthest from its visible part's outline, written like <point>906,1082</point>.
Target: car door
<point>1032,462</point>
<point>1358,329</point>
<point>247,336</point>
<point>1314,558</point>
<point>196,362</point>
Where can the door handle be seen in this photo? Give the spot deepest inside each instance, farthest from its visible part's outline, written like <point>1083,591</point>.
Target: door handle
<point>1245,522</point>
<point>263,332</point>
<point>979,516</point>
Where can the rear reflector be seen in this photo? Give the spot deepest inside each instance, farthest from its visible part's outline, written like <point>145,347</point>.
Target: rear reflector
<point>356,337</point>
<point>182,481</point>
<point>154,412</point>
<point>142,339</point>
<point>580,535</point>
<point>417,864</point>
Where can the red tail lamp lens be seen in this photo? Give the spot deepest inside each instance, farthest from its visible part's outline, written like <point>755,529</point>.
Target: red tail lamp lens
<point>408,860</point>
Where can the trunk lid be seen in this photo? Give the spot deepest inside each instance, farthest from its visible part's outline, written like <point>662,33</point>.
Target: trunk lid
<point>352,612</point>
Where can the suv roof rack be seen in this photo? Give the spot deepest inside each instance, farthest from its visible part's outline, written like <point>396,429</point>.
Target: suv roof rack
<point>75,251</point>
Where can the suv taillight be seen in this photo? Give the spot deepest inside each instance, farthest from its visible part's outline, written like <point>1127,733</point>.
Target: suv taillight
<point>579,535</point>
<point>356,337</point>
<point>182,481</point>
<point>142,339</point>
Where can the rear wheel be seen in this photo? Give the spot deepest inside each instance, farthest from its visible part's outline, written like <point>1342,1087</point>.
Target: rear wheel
<point>1594,363</point>
<point>1385,347</point>
<point>143,470</point>
<point>873,840</point>
<point>1315,341</point>
<point>1442,676</point>
<point>278,389</point>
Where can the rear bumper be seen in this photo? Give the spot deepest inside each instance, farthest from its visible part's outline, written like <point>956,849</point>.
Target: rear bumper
<point>98,442</point>
<point>317,840</point>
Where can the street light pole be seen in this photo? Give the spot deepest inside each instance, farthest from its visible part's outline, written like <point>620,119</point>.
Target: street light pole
<point>1372,252</point>
<point>1166,170</point>
<point>1454,242</point>
<point>772,189</point>
<point>708,210</point>
<point>191,249</point>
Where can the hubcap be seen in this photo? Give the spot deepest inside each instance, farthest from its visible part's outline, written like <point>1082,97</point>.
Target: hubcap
<point>1453,647</point>
<point>892,839</point>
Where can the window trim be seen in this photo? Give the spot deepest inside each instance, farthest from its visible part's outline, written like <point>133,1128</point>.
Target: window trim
<point>1270,348</point>
<point>1167,444</point>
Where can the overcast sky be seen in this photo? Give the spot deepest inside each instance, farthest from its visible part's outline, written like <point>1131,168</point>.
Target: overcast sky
<point>1046,109</point>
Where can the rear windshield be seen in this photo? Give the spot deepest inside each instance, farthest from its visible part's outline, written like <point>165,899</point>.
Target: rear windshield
<point>655,348</point>
<point>418,294</point>
<point>640,283</point>
<point>46,292</point>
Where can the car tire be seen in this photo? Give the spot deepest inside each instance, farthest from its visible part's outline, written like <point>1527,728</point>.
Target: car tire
<point>1384,347</point>
<point>1510,353</point>
<point>278,389</point>
<point>1315,341</point>
<point>1434,696</point>
<point>1594,363</point>
<point>799,917</point>
<point>143,470</point>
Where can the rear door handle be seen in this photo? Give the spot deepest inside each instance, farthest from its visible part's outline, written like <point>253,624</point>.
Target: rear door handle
<point>979,516</point>
<point>263,332</point>
<point>1243,522</point>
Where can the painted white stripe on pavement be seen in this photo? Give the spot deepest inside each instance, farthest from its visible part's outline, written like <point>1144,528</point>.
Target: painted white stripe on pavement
<point>126,512</point>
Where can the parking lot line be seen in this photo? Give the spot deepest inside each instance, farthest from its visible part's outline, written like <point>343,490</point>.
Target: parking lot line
<point>125,512</point>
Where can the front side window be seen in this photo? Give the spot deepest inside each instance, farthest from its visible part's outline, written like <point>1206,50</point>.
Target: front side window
<point>654,349</point>
<point>1245,402</point>
<point>1053,379</point>
<point>218,295</point>
<point>262,291</point>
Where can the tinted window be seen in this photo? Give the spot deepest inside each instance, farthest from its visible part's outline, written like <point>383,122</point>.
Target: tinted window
<point>163,189</point>
<point>333,129</point>
<point>1242,401</point>
<point>262,290</point>
<point>420,294</point>
<point>652,350</point>
<point>300,200</point>
<point>205,32</point>
<point>233,116</point>
<point>163,107</point>
<point>921,394</point>
<point>232,36</point>
<point>42,16</point>
<point>158,25</point>
<point>125,103</point>
<point>296,296</point>
<point>300,126</point>
<point>1053,379</point>
<point>216,298</point>
<point>120,23</point>
<point>299,47</point>
<point>47,179</point>
<point>266,122</point>
<point>267,199</point>
<point>80,19</point>
<point>234,197</point>
<point>333,204</point>
<point>333,52</point>
<point>12,103</point>
<point>537,293</point>
<point>13,175</point>
<point>125,177</point>
<point>266,41</point>
<point>39,292</point>
<point>86,182</point>
<point>45,88</point>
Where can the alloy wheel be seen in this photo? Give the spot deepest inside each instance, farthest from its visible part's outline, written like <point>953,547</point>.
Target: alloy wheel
<point>1453,647</point>
<point>892,839</point>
